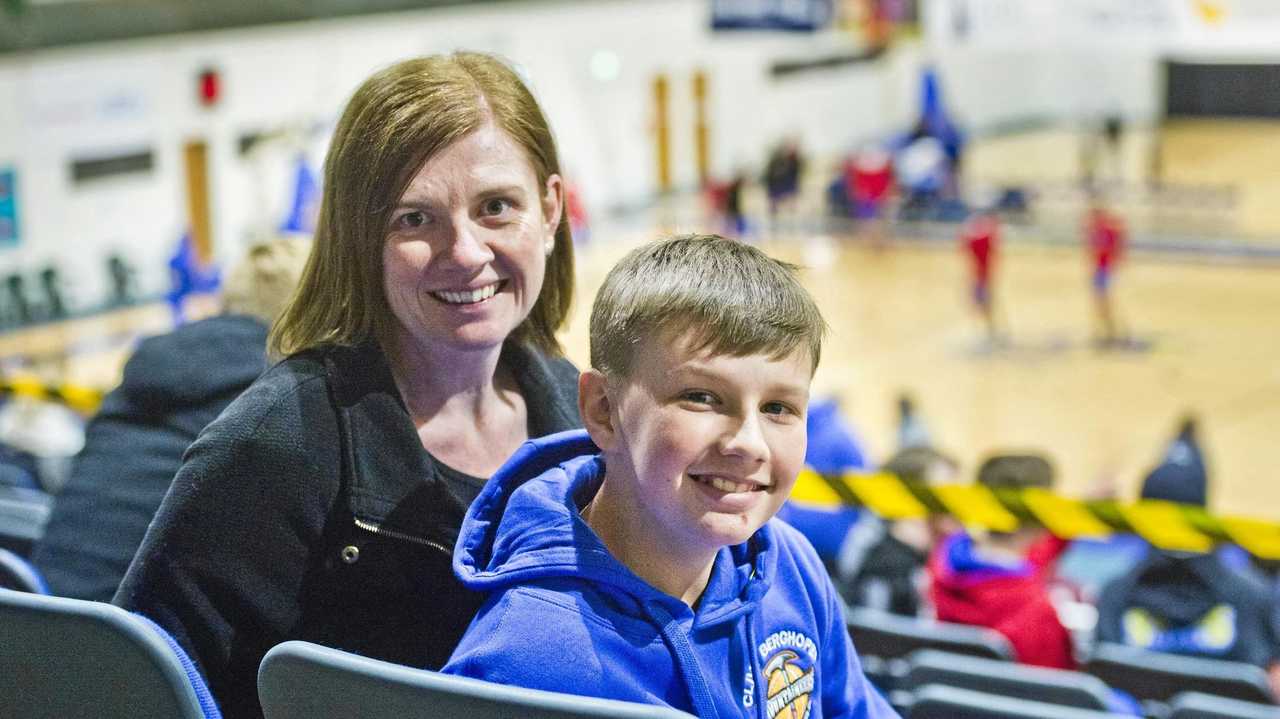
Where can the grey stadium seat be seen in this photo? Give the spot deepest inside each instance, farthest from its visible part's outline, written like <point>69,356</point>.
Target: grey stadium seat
<point>937,701</point>
<point>1156,675</point>
<point>1194,705</point>
<point>885,635</point>
<point>65,658</point>
<point>1053,686</point>
<point>300,680</point>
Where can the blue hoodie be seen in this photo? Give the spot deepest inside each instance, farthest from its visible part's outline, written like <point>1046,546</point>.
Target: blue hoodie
<point>767,636</point>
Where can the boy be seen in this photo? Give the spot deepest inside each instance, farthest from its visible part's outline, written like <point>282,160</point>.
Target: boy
<point>637,560</point>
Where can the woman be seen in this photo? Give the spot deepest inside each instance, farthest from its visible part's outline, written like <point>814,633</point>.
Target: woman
<point>324,503</point>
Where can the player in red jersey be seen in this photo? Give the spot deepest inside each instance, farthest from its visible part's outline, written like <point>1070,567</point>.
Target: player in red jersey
<point>1105,234</point>
<point>980,238</point>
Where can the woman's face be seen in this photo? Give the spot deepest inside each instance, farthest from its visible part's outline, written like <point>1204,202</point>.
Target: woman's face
<point>467,245</point>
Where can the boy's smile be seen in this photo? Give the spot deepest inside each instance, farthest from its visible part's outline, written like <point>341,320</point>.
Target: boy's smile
<point>701,449</point>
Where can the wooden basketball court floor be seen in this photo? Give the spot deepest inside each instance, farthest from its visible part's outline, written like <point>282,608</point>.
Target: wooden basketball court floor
<point>901,322</point>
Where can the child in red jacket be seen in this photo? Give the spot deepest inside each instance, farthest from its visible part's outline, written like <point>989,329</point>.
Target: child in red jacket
<point>1000,580</point>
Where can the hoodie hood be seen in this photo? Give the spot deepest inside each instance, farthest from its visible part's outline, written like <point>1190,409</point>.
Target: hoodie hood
<point>526,525</point>
<point>197,362</point>
<point>972,588</point>
<point>1179,587</point>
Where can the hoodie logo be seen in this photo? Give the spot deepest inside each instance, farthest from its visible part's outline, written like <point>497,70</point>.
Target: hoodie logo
<point>789,659</point>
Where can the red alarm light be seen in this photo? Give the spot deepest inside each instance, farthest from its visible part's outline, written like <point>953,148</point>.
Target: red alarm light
<point>210,87</point>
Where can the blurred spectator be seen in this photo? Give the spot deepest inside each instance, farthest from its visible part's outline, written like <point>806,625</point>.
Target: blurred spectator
<point>1187,603</point>
<point>882,563</point>
<point>782,174</point>
<point>18,305</point>
<point>868,180</point>
<point>912,431</point>
<point>1102,143</point>
<point>923,173</point>
<point>123,290</point>
<point>18,468</point>
<point>579,220</point>
<point>174,385</point>
<point>1000,580</point>
<point>48,434</point>
<point>735,222</point>
<point>55,308</point>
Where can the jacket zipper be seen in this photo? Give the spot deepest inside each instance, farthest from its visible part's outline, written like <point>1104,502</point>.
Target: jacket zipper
<point>377,529</point>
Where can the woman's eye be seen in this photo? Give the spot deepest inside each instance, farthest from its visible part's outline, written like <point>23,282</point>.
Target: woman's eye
<point>411,220</point>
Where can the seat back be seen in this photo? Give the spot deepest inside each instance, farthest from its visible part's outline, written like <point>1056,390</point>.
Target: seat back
<point>72,658</point>
<point>1194,705</point>
<point>17,573</point>
<point>937,701</point>
<point>1157,675</point>
<point>23,514</point>
<point>885,635</point>
<point>1055,686</point>
<point>300,680</point>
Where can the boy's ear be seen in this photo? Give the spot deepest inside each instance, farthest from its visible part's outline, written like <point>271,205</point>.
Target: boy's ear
<point>595,407</point>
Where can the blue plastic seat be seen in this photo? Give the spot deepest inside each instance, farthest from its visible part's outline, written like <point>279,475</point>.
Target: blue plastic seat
<point>300,680</point>
<point>64,657</point>
<point>23,514</point>
<point>17,573</point>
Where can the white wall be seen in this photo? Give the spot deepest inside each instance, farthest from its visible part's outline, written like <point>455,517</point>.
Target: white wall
<point>1074,60</point>
<point>1059,59</point>
<point>104,99</point>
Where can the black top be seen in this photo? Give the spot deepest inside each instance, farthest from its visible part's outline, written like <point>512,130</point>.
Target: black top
<point>1185,599</point>
<point>463,486</point>
<point>310,510</point>
<point>173,386</point>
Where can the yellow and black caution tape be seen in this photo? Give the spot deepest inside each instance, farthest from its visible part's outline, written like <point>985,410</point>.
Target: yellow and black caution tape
<point>1171,526</point>
<point>78,397</point>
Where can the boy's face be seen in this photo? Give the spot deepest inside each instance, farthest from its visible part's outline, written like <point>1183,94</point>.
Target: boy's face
<point>705,448</point>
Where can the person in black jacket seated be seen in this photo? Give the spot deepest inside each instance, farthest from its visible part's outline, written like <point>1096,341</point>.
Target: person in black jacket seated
<point>324,503</point>
<point>1187,603</point>
<point>174,385</point>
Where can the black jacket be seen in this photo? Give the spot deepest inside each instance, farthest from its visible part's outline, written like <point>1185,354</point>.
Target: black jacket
<point>1180,593</point>
<point>310,510</point>
<point>173,386</point>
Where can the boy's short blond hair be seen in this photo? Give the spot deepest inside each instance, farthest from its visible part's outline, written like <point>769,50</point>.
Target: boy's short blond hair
<point>735,299</point>
<point>262,281</point>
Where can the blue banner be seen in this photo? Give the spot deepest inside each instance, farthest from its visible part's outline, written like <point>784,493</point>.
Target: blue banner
<point>8,207</point>
<point>794,15</point>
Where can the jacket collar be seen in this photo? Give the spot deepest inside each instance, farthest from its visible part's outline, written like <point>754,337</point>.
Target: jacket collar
<point>384,452</point>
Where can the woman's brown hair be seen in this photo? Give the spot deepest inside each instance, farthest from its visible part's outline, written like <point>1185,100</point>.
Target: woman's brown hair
<point>395,121</point>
